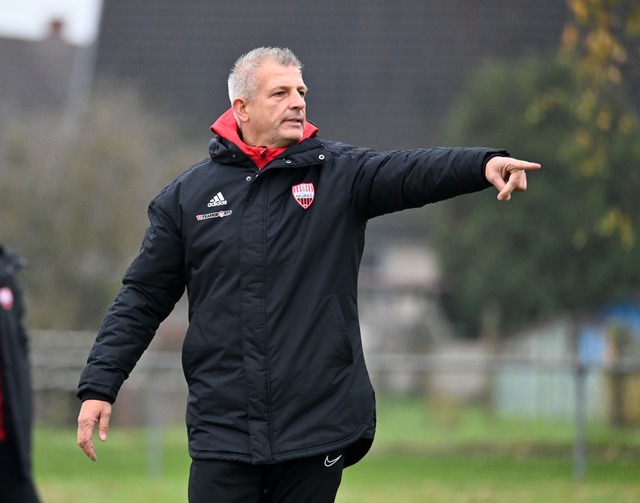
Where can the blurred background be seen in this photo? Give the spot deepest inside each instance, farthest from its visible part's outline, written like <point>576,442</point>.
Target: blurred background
<point>525,311</point>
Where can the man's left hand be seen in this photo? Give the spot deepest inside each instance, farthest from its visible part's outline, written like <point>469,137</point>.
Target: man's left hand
<point>508,175</point>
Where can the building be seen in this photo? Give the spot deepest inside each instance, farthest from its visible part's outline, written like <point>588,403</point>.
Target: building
<point>40,76</point>
<point>381,74</point>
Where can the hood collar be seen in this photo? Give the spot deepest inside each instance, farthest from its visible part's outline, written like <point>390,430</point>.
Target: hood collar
<point>227,128</point>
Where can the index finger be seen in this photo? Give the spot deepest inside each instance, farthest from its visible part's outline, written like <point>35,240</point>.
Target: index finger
<point>517,164</point>
<point>85,432</point>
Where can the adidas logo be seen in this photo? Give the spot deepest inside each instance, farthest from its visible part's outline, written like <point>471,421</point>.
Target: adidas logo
<point>218,200</point>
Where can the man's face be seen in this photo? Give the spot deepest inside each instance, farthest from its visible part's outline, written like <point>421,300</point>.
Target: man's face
<point>276,115</point>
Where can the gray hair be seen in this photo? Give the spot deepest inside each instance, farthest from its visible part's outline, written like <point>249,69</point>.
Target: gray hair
<point>242,82</point>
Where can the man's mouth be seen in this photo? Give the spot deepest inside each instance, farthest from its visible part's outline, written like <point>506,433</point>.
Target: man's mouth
<point>294,120</point>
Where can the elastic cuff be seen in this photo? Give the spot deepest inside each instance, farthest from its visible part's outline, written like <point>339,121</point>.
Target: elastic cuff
<point>92,395</point>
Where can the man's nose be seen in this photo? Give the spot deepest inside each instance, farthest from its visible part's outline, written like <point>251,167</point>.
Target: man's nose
<point>297,101</point>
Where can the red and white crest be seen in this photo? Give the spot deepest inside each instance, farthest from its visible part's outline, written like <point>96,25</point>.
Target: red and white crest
<point>304,194</point>
<point>6,298</point>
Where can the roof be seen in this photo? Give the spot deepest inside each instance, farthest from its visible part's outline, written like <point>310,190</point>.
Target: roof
<point>37,75</point>
<point>381,73</point>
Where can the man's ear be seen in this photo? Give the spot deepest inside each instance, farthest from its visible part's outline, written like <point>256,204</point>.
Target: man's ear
<point>240,109</point>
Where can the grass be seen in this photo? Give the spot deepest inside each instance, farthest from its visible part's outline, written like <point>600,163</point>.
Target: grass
<point>436,454</point>
<point>458,479</point>
<point>122,474</point>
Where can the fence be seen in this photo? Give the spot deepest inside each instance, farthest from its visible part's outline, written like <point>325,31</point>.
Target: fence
<point>155,393</point>
<point>535,384</point>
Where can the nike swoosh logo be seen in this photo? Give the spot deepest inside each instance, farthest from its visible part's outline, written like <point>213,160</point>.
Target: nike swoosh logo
<point>330,462</point>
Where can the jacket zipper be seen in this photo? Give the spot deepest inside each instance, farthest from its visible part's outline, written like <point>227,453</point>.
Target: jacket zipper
<point>265,184</point>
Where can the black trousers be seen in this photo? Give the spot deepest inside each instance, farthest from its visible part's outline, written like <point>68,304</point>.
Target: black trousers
<point>14,486</point>
<point>308,480</point>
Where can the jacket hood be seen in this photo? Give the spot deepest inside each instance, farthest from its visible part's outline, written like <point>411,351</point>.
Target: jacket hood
<point>226,127</point>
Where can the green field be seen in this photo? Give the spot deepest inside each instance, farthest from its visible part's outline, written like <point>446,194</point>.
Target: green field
<point>421,455</point>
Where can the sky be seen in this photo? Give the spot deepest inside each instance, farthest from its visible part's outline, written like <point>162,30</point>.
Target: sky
<point>29,19</point>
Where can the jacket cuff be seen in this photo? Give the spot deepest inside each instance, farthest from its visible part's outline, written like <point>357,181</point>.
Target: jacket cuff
<point>92,395</point>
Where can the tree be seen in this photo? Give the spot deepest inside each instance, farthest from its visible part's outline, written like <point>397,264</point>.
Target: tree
<point>602,44</point>
<point>569,243</point>
<point>75,194</point>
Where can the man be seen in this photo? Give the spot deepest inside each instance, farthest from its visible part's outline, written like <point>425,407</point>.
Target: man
<point>16,483</point>
<point>267,235</point>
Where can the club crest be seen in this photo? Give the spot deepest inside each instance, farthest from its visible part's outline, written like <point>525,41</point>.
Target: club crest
<point>303,193</point>
<point>6,298</point>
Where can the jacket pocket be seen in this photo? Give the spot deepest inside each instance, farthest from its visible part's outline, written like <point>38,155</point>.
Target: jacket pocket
<point>341,328</point>
<point>190,348</point>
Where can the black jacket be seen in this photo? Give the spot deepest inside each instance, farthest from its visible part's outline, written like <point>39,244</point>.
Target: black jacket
<point>14,360</point>
<point>273,356</point>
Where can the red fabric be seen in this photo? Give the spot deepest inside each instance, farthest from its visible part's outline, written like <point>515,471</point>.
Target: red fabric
<point>227,127</point>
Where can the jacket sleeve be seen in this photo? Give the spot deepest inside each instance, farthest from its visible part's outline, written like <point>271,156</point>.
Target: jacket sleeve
<point>392,181</point>
<point>14,364</point>
<point>151,287</point>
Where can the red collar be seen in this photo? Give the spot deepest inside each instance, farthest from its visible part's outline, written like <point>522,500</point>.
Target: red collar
<point>227,127</point>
